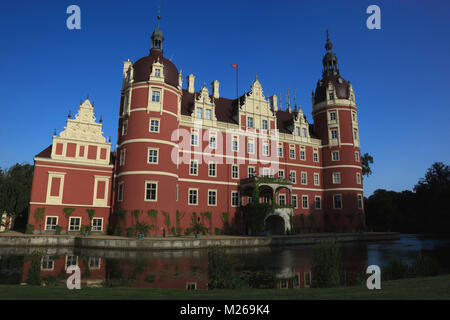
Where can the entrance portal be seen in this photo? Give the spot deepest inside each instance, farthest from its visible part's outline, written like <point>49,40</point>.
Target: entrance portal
<point>275,225</point>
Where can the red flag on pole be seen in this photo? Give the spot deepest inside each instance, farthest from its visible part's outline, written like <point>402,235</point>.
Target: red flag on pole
<point>234,66</point>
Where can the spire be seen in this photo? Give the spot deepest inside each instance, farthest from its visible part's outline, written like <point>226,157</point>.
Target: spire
<point>329,60</point>
<point>157,35</point>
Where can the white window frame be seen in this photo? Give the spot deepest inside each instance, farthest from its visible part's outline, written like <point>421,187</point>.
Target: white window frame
<point>305,181</point>
<point>294,203</point>
<point>320,202</point>
<point>47,225</point>
<point>196,196</point>
<point>70,223</point>
<point>336,178</point>
<point>305,196</point>
<point>233,175</point>
<point>237,198</point>
<point>316,179</point>
<point>334,201</point>
<point>120,187</point>
<point>124,128</point>
<point>294,181</point>
<point>147,182</point>
<point>214,192</point>
<point>156,96</point>
<point>358,178</point>
<point>332,155</point>
<point>148,155</point>
<point>253,170</point>
<point>214,170</point>
<point>156,125</point>
<point>101,225</point>
<point>192,167</point>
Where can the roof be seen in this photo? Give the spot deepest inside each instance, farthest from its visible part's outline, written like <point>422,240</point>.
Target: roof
<point>341,87</point>
<point>46,153</point>
<point>143,68</point>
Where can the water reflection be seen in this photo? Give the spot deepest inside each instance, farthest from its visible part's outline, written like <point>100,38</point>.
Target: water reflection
<point>188,269</point>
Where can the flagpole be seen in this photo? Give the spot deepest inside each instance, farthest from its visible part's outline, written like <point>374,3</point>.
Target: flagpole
<point>237,83</point>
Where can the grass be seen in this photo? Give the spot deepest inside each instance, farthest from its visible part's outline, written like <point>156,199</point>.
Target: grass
<point>417,288</point>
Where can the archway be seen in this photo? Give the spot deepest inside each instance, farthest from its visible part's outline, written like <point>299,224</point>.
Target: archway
<point>275,225</point>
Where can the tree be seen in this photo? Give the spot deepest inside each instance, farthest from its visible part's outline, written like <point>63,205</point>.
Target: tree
<point>366,160</point>
<point>15,190</point>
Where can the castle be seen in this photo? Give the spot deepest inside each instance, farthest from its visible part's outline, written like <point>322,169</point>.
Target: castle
<point>185,157</point>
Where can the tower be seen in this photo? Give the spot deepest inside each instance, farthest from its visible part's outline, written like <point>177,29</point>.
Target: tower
<point>146,175</point>
<point>335,122</point>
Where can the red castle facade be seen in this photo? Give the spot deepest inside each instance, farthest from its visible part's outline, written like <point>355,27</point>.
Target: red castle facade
<point>180,151</point>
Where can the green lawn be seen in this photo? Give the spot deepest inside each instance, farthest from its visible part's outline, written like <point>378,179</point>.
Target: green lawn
<point>417,288</point>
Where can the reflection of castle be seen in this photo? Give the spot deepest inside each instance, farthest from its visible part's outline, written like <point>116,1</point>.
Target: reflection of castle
<point>219,142</point>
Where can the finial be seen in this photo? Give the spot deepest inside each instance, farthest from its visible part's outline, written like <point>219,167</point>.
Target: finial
<point>54,133</point>
<point>69,115</point>
<point>295,99</point>
<point>101,119</point>
<point>109,139</point>
<point>87,96</point>
<point>256,76</point>
<point>159,16</point>
<point>328,45</point>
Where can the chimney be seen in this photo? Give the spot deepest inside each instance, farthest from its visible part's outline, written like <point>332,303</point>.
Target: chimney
<point>274,102</point>
<point>190,83</point>
<point>215,89</point>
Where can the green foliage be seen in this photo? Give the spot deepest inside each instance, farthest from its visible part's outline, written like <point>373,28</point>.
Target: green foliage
<point>58,230</point>
<point>366,160</point>
<point>255,213</point>
<point>208,215</point>
<point>326,265</point>
<point>122,214</point>
<point>136,214</point>
<point>34,273</point>
<point>130,232</point>
<point>395,269</point>
<point>166,219</point>
<point>85,228</point>
<point>143,227</point>
<point>218,231</point>
<point>15,191</point>
<point>196,226</point>
<point>265,279</point>
<point>68,212</point>
<point>91,213</point>
<point>424,266</point>
<point>220,273</point>
<point>30,229</point>
<point>178,222</point>
<point>152,213</point>
<point>117,230</point>
<point>39,214</point>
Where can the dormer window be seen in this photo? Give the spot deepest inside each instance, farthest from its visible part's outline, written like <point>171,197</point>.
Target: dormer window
<point>155,96</point>
<point>332,115</point>
<point>297,131</point>
<point>331,95</point>
<point>249,122</point>
<point>304,132</point>
<point>199,113</point>
<point>208,114</point>
<point>158,73</point>
<point>334,134</point>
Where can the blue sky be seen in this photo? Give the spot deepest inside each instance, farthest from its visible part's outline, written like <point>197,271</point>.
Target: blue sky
<point>400,73</point>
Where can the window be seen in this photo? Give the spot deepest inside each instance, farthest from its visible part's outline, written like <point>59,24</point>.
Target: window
<point>302,155</point>
<point>331,96</point>
<point>212,169</point>
<point>249,122</point>
<point>50,223</point>
<point>234,198</point>
<point>307,279</point>
<point>47,263</point>
<point>251,172</point>
<point>208,114</point>
<point>235,171</point>
<point>358,178</point>
<point>318,202</point>
<point>212,197</point>
<point>294,201</point>
<point>193,193</point>
<point>316,179</point>
<point>355,134</point>
<point>353,116</point>
<point>151,191</point>
<point>120,192</point>
<point>194,139</point>
<point>152,155</point>
<point>199,113</point>
<point>337,201</point>
<point>191,286</point>
<point>359,199</point>
<point>264,125</point>
<point>71,261</point>
<point>356,156</point>
<point>316,157</point>
<point>94,262</point>
<point>212,142</point>
<point>193,168</point>
<point>155,96</point>
<point>292,153</point>
<point>282,200</point>
<point>266,172</point>
<point>97,224</point>
<point>335,155</point>
<point>266,149</point>
<point>280,151</point>
<point>336,177</point>
<point>281,174</point>
<point>305,202</point>
<point>234,144</point>
<point>125,127</point>
<point>122,157</point>
<point>250,147</point>
<point>332,116</point>
<point>154,125</point>
<point>74,224</point>
<point>334,134</point>
<point>304,132</point>
<point>297,131</point>
<point>292,176</point>
<point>283,284</point>
<point>158,73</point>
<point>304,178</point>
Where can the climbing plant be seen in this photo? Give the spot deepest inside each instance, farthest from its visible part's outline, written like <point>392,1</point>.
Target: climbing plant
<point>91,213</point>
<point>255,213</point>
<point>136,214</point>
<point>68,212</point>
<point>39,215</point>
<point>208,215</point>
<point>166,220</point>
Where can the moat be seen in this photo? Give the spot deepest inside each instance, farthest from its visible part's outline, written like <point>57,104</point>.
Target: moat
<point>188,269</point>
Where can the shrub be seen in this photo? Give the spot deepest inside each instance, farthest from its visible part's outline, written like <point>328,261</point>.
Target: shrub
<point>130,232</point>
<point>30,229</point>
<point>218,231</point>
<point>143,227</point>
<point>34,273</point>
<point>220,274</point>
<point>424,266</point>
<point>395,269</point>
<point>58,230</point>
<point>326,265</point>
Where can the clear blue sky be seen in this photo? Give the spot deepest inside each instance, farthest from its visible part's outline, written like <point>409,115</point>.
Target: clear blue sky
<point>400,73</point>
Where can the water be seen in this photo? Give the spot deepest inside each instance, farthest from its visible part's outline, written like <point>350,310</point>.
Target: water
<point>188,269</point>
